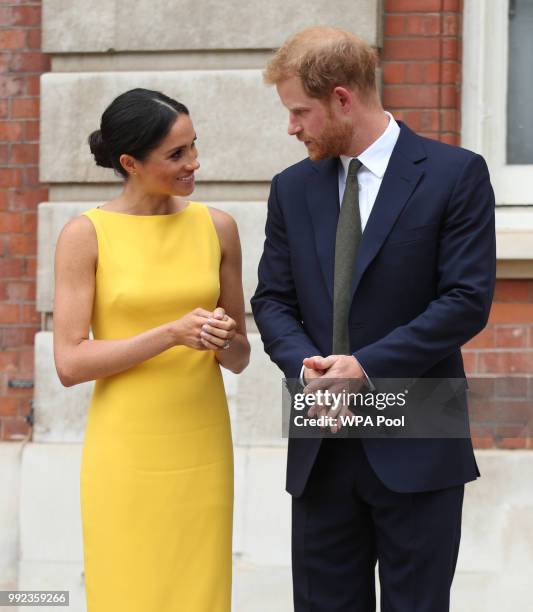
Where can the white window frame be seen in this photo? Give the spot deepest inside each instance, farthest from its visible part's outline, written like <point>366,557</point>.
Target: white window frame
<point>484,99</point>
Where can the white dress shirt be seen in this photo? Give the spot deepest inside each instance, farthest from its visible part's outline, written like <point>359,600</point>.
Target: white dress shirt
<point>375,160</point>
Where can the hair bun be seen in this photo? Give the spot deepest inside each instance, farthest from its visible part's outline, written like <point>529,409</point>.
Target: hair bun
<point>99,150</point>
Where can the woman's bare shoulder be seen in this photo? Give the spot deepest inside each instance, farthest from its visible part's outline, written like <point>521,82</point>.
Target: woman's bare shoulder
<point>78,239</point>
<point>223,221</point>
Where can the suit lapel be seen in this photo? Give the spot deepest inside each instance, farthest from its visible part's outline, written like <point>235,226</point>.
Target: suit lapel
<point>323,205</point>
<point>399,182</point>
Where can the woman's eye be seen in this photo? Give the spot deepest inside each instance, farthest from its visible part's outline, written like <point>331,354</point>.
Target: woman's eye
<point>177,154</point>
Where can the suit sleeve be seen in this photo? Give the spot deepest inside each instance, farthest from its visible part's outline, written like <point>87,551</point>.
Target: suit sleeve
<point>275,303</point>
<point>466,277</point>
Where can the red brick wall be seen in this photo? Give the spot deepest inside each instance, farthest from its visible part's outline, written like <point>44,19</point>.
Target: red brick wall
<point>21,64</point>
<point>421,62</point>
<point>505,348</point>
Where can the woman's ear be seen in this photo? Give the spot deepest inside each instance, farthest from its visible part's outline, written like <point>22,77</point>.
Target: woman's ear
<point>129,163</point>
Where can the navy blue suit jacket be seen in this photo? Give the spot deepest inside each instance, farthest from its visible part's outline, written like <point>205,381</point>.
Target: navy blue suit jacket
<point>422,287</point>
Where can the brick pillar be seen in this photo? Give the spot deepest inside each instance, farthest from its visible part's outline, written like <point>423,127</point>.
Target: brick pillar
<point>421,64</point>
<point>21,64</point>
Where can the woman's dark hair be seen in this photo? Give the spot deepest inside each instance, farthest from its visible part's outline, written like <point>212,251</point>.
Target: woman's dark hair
<point>134,123</point>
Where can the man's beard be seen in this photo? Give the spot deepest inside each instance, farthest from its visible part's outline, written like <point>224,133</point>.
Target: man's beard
<point>334,141</point>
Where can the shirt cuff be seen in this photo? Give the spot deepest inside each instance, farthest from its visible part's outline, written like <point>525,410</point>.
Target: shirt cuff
<point>302,379</point>
<point>369,383</point>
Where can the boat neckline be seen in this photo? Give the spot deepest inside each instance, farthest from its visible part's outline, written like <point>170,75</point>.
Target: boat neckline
<point>122,214</point>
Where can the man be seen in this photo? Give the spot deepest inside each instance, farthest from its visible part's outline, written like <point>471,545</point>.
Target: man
<point>379,262</point>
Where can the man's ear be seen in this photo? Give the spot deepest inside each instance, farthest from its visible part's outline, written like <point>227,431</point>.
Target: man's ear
<point>129,163</point>
<point>343,97</point>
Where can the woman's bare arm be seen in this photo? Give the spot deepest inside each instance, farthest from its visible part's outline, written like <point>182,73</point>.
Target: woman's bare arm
<point>231,299</point>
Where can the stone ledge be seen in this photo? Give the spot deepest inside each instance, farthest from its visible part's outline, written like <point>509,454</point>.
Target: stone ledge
<point>50,523</point>
<point>10,461</point>
<point>112,26</point>
<point>162,60</point>
<point>514,227</point>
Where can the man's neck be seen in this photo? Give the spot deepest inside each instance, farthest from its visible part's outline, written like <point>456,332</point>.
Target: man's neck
<point>369,127</point>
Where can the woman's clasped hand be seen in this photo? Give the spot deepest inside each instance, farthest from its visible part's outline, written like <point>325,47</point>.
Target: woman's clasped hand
<point>204,330</point>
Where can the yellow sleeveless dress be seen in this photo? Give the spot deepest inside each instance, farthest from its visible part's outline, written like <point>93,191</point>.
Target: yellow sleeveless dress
<point>157,462</point>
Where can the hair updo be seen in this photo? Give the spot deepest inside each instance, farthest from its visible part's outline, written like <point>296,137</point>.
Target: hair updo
<point>99,150</point>
<point>133,124</point>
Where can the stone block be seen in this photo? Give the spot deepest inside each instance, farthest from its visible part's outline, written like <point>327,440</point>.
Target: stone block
<point>185,25</point>
<point>50,515</point>
<point>254,398</point>
<point>10,459</point>
<point>55,576</point>
<point>240,123</point>
<point>497,539</point>
<point>514,229</point>
<point>267,515</point>
<point>52,217</point>
<point>504,487</point>
<point>471,592</point>
<point>240,458</point>
<point>60,412</point>
<point>250,218</point>
<point>261,588</point>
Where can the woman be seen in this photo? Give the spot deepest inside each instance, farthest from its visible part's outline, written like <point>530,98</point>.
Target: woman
<point>158,279</point>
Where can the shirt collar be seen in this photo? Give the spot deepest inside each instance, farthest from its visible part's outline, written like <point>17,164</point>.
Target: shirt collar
<point>376,157</point>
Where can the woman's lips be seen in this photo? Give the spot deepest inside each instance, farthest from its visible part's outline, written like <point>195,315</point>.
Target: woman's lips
<point>186,179</point>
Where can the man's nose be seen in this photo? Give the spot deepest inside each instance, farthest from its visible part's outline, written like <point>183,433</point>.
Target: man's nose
<point>293,128</point>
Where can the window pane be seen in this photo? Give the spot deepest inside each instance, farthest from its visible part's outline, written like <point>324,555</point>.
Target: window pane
<point>520,85</point>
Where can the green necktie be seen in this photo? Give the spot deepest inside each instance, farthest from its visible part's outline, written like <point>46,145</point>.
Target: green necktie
<point>346,242</point>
